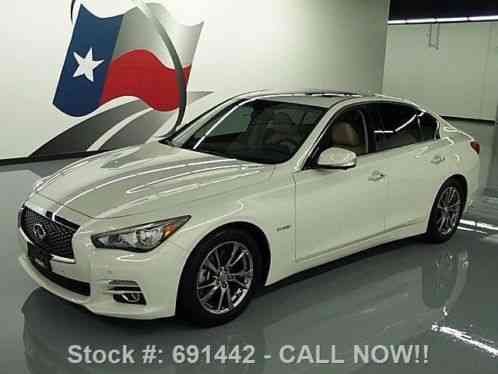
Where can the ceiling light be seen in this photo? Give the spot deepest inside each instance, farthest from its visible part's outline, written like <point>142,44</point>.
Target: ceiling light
<point>454,19</point>
<point>443,20</point>
<point>484,18</point>
<point>421,20</point>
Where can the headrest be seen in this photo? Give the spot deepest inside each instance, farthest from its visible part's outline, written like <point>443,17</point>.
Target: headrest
<point>282,119</point>
<point>343,133</point>
<point>264,117</point>
<point>283,123</point>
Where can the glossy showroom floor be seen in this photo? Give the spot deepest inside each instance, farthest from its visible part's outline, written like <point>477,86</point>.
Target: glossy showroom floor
<point>404,293</point>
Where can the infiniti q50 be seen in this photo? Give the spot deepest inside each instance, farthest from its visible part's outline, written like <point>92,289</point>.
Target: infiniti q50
<point>260,187</point>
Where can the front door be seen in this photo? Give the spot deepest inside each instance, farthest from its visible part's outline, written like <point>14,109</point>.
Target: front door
<point>335,208</point>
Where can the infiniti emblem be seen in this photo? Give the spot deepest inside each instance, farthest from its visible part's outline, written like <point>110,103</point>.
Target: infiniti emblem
<point>40,232</point>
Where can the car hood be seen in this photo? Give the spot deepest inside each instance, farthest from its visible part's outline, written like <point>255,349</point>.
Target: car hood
<point>141,179</point>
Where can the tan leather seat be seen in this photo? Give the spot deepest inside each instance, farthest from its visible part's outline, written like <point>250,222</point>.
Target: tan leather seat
<point>283,131</point>
<point>255,131</point>
<point>345,136</point>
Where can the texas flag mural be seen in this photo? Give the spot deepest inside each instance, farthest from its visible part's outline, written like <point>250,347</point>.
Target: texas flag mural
<point>121,56</point>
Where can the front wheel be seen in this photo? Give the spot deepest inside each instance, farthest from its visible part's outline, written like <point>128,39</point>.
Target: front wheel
<point>220,278</point>
<point>446,212</point>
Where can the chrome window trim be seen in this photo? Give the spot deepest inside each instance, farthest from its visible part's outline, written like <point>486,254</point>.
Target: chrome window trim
<point>367,101</point>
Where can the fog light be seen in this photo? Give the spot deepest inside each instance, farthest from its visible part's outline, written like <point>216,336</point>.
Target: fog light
<point>130,298</point>
<point>126,292</point>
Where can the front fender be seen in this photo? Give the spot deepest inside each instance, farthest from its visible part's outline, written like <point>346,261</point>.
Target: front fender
<point>270,208</point>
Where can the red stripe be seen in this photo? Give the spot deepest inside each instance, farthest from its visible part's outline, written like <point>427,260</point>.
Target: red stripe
<point>141,74</point>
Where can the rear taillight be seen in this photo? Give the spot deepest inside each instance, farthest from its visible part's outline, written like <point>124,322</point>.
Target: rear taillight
<point>476,147</point>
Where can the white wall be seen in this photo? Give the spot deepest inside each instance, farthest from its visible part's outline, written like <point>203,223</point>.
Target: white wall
<point>459,79</point>
<point>244,45</point>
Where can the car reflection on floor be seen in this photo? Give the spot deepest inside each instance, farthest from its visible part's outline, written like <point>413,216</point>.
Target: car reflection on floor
<point>383,296</point>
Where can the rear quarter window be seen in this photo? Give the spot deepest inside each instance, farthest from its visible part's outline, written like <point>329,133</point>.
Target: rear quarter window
<point>399,126</point>
<point>429,126</point>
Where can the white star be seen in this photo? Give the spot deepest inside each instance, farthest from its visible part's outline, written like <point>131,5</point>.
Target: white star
<point>86,65</point>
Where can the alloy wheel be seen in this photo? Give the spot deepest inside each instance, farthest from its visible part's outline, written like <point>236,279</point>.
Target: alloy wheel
<point>448,210</point>
<point>225,277</point>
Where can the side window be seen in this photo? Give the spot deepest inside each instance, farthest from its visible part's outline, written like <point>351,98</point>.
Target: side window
<point>348,131</point>
<point>428,125</point>
<point>398,127</point>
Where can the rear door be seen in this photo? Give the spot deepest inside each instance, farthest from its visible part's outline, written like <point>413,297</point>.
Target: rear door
<point>406,137</point>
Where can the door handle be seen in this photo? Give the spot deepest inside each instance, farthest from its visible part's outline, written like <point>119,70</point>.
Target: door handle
<point>438,159</point>
<point>376,176</point>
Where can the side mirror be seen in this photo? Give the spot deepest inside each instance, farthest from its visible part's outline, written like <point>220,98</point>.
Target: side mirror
<point>337,158</point>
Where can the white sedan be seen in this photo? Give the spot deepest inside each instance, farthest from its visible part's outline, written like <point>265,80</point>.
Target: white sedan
<point>258,188</point>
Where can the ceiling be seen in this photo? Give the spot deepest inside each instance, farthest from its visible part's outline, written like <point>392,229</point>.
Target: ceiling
<point>408,9</point>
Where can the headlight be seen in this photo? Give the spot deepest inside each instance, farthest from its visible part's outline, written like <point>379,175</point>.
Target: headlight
<point>141,238</point>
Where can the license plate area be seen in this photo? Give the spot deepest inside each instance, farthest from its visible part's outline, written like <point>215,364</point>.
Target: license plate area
<point>40,258</point>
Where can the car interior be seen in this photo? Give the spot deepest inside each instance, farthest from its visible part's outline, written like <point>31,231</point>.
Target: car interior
<point>349,131</point>
<point>399,126</point>
<point>265,131</point>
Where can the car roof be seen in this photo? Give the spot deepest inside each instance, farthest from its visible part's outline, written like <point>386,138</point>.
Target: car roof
<point>323,98</point>
<point>314,97</point>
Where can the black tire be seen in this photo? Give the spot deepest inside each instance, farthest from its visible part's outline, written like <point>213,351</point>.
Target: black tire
<point>434,233</point>
<point>190,306</point>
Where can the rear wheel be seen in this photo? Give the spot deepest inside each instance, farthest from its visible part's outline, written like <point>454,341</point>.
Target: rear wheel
<point>446,212</point>
<point>220,278</point>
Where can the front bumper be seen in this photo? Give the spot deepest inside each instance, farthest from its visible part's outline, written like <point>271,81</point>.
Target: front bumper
<point>157,273</point>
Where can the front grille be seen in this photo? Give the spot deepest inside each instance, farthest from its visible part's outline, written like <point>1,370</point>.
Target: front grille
<point>73,285</point>
<point>58,236</point>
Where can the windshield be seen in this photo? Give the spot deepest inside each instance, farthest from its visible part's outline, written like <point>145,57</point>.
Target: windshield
<point>263,131</point>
